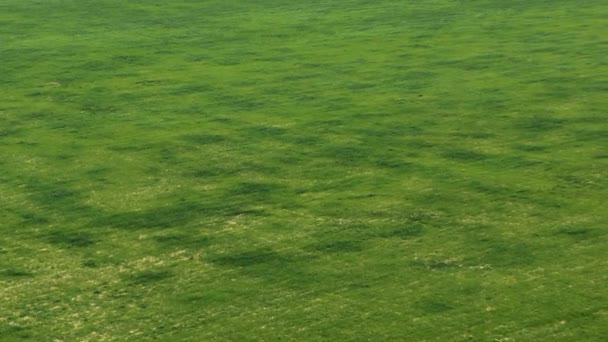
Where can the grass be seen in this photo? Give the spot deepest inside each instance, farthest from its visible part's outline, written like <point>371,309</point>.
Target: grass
<point>310,171</point>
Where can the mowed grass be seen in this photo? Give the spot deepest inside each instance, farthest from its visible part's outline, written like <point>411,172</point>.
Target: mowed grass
<point>303,170</point>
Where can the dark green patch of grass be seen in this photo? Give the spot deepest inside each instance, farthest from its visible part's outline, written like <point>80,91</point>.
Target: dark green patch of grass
<point>463,155</point>
<point>183,241</point>
<point>250,258</point>
<point>204,139</point>
<point>15,332</point>
<point>433,306</point>
<point>504,253</point>
<point>406,231</point>
<point>34,219</point>
<point>149,277</point>
<point>71,239</point>
<point>175,215</point>
<point>540,124</point>
<point>15,273</point>
<point>577,233</point>
<point>343,246</point>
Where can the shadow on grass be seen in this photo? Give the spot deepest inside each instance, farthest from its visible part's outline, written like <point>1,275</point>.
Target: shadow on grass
<point>59,198</point>
<point>71,239</point>
<point>500,253</point>
<point>182,241</point>
<point>251,258</point>
<point>576,233</point>
<point>15,332</point>
<point>15,273</point>
<point>405,231</point>
<point>246,195</point>
<point>148,277</point>
<point>204,139</point>
<point>338,246</point>
<point>539,124</point>
<point>163,217</point>
<point>433,306</point>
<point>177,214</point>
<point>33,219</point>
<point>463,155</point>
<point>277,269</point>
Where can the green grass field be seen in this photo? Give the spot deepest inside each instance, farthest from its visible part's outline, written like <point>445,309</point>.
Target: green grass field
<point>281,170</point>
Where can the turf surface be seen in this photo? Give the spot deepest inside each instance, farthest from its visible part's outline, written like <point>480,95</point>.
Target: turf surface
<point>303,170</point>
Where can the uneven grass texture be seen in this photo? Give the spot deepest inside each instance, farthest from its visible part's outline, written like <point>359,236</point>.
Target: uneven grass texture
<point>349,170</point>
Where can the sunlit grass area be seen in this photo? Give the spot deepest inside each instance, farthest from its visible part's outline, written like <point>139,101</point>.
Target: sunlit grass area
<point>280,170</point>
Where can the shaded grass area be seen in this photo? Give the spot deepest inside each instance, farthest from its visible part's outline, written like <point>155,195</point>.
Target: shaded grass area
<point>346,170</point>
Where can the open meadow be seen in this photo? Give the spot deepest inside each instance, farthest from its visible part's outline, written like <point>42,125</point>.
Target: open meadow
<point>281,170</point>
